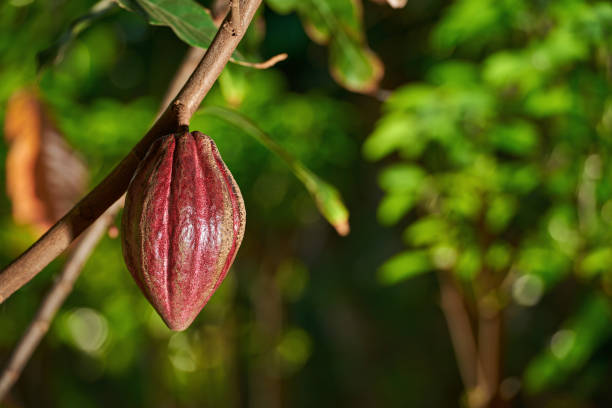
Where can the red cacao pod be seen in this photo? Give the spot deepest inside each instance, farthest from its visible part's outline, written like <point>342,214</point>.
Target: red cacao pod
<point>182,224</point>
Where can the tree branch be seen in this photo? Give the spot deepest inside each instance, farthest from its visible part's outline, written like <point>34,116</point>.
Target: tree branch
<point>489,346</point>
<point>235,16</point>
<point>462,339</point>
<point>54,299</point>
<point>178,114</point>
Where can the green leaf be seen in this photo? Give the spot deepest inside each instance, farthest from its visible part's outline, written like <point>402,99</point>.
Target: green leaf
<point>468,264</point>
<point>330,16</point>
<point>394,206</point>
<point>498,256</point>
<point>474,23</point>
<point>283,6</point>
<point>546,263</point>
<point>562,46</point>
<point>314,25</point>
<point>507,69</point>
<point>401,178</point>
<point>462,201</point>
<point>394,131</point>
<point>571,346</point>
<point>427,231</point>
<point>354,66</point>
<point>191,22</point>
<point>458,73</point>
<point>548,102</point>
<point>327,198</point>
<point>519,138</point>
<point>412,97</point>
<point>596,262</point>
<point>55,53</point>
<point>338,23</point>
<point>500,211</point>
<point>520,178</point>
<point>403,266</point>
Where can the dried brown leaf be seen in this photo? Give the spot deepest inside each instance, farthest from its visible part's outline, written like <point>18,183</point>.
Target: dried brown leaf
<point>44,175</point>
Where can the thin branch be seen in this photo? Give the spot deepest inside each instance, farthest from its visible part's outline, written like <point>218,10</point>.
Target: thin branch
<point>264,64</point>
<point>462,338</point>
<point>219,11</point>
<point>177,115</point>
<point>460,329</point>
<point>54,299</point>
<point>235,16</point>
<point>489,324</point>
<point>489,348</point>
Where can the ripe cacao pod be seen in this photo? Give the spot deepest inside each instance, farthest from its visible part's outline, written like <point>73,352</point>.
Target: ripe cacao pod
<point>183,223</point>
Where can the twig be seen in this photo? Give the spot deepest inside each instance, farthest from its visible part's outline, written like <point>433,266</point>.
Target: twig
<point>177,115</point>
<point>235,16</point>
<point>489,348</point>
<point>219,10</point>
<point>489,324</point>
<point>462,338</point>
<point>264,64</point>
<point>54,299</point>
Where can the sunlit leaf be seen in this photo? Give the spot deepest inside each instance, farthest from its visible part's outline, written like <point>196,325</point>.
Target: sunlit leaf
<point>473,23</point>
<point>427,231</point>
<point>403,266</point>
<point>500,211</point>
<point>498,256</point>
<point>459,73</point>
<point>468,264</point>
<point>519,178</point>
<point>561,46</point>
<point>596,262</point>
<point>355,67</point>
<point>511,69</point>
<point>555,101</point>
<point>401,178</point>
<point>283,6</point>
<point>394,206</point>
<point>519,138</point>
<point>394,131</point>
<point>412,97</point>
<point>548,264</point>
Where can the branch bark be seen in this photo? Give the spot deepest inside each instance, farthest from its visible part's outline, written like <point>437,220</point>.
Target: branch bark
<point>176,115</point>
<point>54,299</point>
<point>460,329</point>
<point>489,349</point>
<point>463,340</point>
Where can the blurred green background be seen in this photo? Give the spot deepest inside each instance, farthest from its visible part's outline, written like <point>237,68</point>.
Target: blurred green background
<point>479,163</point>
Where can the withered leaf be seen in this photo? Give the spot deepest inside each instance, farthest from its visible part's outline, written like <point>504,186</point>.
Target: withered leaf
<point>44,175</point>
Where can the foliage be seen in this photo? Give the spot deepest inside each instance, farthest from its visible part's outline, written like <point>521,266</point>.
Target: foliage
<point>499,163</point>
<point>338,24</point>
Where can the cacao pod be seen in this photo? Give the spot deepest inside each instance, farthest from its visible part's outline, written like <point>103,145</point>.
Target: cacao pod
<point>183,223</point>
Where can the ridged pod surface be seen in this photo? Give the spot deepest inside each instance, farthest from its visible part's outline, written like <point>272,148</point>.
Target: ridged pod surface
<point>182,225</point>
